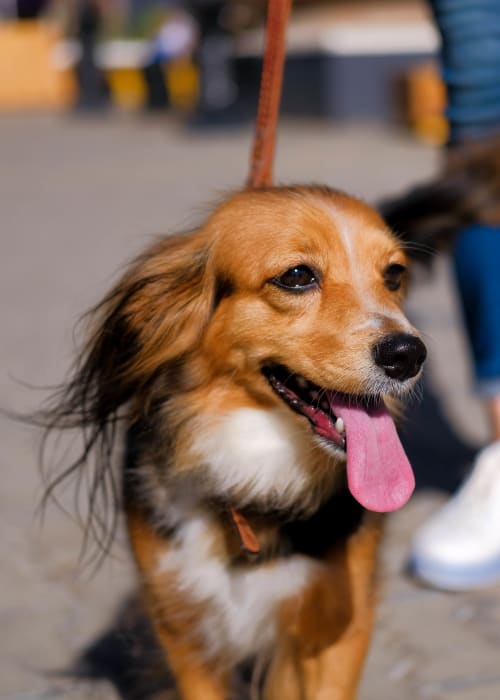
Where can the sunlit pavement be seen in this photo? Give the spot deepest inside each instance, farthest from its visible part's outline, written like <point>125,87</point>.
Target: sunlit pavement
<point>78,197</point>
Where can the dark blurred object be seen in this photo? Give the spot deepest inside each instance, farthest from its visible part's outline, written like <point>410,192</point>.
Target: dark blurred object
<point>170,52</point>
<point>467,192</point>
<point>218,87</point>
<point>30,9</point>
<point>432,443</point>
<point>127,655</point>
<point>94,93</point>
<point>348,60</point>
<point>156,90</point>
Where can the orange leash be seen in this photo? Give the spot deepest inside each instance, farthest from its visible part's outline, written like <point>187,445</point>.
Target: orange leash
<point>261,163</point>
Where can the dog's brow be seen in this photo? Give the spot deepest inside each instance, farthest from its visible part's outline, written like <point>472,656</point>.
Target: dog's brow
<point>374,321</point>
<point>376,312</point>
<point>344,228</point>
<point>379,315</point>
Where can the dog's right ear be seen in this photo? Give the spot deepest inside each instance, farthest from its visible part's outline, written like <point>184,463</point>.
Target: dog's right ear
<point>152,319</point>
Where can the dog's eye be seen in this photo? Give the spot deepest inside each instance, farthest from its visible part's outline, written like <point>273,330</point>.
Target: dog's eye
<point>297,279</point>
<point>393,276</point>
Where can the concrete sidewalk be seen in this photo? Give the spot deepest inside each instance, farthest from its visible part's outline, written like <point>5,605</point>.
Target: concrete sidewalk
<point>78,197</point>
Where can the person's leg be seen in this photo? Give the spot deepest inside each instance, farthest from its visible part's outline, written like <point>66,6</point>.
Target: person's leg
<point>470,55</point>
<point>476,258</point>
<point>459,547</point>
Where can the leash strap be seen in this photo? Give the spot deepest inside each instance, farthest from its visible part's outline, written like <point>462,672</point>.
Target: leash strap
<point>261,163</point>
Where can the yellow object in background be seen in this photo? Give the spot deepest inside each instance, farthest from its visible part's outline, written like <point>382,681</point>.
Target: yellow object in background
<point>29,77</point>
<point>128,89</point>
<point>182,81</point>
<point>427,103</point>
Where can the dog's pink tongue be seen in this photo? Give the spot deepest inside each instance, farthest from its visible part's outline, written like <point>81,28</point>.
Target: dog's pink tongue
<point>379,474</point>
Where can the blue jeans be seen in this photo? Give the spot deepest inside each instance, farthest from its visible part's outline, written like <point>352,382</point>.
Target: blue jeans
<point>477,270</point>
<point>470,54</point>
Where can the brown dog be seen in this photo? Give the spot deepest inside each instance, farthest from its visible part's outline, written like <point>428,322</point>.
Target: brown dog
<point>250,360</point>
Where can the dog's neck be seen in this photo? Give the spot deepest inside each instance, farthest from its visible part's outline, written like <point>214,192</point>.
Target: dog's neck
<point>249,536</point>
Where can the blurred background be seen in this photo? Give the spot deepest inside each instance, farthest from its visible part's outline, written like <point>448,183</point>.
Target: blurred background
<point>122,119</point>
<point>200,59</point>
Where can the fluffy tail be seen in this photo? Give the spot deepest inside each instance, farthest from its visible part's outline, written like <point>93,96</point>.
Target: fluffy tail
<point>467,191</point>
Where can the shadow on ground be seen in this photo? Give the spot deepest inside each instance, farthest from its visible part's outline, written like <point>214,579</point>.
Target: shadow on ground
<point>128,656</point>
<point>439,455</point>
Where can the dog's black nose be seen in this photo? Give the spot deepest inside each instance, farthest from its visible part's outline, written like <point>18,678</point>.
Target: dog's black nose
<point>400,355</point>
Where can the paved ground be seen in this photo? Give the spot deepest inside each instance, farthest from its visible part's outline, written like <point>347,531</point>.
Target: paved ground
<point>77,199</point>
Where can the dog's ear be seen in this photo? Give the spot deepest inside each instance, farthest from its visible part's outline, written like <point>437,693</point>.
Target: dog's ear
<point>151,321</point>
<point>153,318</point>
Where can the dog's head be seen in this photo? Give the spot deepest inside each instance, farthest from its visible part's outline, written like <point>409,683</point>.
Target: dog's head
<point>264,344</point>
<point>310,283</point>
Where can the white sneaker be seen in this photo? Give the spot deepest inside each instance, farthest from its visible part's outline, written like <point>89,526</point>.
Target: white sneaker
<point>459,547</point>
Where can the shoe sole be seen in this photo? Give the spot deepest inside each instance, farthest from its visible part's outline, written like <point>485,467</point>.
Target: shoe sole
<point>455,579</point>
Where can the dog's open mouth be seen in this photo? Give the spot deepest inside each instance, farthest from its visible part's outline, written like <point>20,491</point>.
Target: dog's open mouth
<point>378,472</point>
<point>310,400</point>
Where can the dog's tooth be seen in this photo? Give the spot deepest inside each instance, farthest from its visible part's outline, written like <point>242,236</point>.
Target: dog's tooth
<point>324,405</point>
<point>301,381</point>
<point>339,426</point>
<point>313,394</point>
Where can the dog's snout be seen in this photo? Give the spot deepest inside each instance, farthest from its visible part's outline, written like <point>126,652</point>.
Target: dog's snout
<point>400,355</point>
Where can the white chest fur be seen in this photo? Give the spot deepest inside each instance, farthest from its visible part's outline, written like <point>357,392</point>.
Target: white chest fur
<point>240,603</point>
<point>258,456</point>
